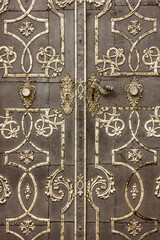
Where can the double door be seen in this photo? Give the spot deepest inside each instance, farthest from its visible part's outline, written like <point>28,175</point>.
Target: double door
<point>79,119</point>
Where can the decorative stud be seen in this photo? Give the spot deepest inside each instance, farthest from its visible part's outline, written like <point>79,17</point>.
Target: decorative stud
<point>27,93</point>
<point>134,91</point>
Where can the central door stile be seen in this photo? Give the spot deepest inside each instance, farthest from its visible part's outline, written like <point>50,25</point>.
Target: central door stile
<point>85,117</point>
<point>80,121</point>
<point>76,128</point>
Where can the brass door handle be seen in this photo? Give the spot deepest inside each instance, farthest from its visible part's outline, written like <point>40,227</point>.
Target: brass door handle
<point>104,90</point>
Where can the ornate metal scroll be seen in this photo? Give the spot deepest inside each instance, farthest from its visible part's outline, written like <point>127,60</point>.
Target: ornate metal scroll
<point>50,60</point>
<point>111,63</point>
<point>45,122</point>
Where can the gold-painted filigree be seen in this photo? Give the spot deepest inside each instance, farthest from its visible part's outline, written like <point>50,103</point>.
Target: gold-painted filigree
<point>134,27</point>
<point>134,91</point>
<point>27,156</point>
<point>27,226</point>
<point>111,61</point>
<point>134,227</point>
<point>151,58</point>
<point>48,123</point>
<point>135,155</point>
<point>93,95</point>
<point>27,28</point>
<point>134,191</point>
<point>80,185</point>
<point>50,60</point>
<point>5,191</point>
<point>157,189</point>
<point>27,93</point>
<point>67,94</point>
<point>113,125</point>
<point>9,127</point>
<point>104,191</point>
<point>152,126</point>
<point>28,191</point>
<point>7,57</point>
<point>53,184</point>
<point>3,5</point>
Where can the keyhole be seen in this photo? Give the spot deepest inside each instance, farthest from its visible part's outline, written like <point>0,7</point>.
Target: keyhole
<point>93,95</point>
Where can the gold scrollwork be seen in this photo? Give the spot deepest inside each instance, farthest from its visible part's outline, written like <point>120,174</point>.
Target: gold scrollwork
<point>109,64</point>
<point>103,191</point>
<point>151,58</point>
<point>7,57</point>
<point>44,124</point>
<point>111,61</point>
<point>50,60</point>
<point>9,128</point>
<point>3,5</point>
<point>134,227</point>
<point>53,184</point>
<point>152,126</point>
<point>114,126</point>
<point>48,123</point>
<point>5,191</point>
<point>67,94</point>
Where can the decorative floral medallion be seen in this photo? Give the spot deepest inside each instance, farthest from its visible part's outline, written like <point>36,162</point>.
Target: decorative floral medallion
<point>27,29</point>
<point>27,156</point>
<point>134,27</point>
<point>135,155</point>
<point>134,227</point>
<point>27,226</point>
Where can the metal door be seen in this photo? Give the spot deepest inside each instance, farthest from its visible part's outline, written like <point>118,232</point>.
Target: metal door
<point>79,119</point>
